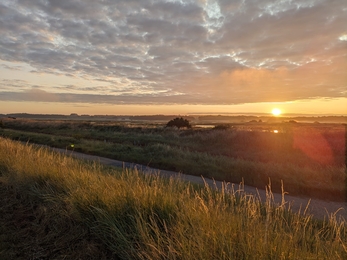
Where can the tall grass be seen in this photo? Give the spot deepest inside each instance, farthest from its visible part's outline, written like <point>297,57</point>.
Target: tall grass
<point>137,216</point>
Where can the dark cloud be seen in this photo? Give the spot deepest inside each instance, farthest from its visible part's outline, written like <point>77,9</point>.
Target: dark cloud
<point>156,51</point>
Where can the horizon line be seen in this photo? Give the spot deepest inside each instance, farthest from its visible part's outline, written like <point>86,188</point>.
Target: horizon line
<point>189,114</point>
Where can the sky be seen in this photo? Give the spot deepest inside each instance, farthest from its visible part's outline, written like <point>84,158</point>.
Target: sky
<point>173,56</point>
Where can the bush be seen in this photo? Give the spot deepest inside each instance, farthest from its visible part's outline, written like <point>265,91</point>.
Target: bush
<point>221,127</point>
<point>179,122</point>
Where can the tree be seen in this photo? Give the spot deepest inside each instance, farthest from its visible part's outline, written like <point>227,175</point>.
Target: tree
<point>179,122</point>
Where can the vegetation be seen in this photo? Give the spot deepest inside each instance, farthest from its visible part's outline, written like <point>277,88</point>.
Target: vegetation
<point>55,207</point>
<point>179,122</point>
<point>221,127</point>
<point>310,160</point>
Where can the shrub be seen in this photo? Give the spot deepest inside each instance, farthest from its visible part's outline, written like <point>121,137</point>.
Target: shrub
<point>179,122</point>
<point>221,127</point>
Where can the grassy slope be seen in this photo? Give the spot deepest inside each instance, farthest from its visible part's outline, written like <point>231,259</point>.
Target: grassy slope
<point>75,210</point>
<point>33,228</point>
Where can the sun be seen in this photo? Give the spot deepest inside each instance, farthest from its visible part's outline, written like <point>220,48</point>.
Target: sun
<point>276,112</point>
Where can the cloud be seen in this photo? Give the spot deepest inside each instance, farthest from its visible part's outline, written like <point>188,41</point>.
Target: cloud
<point>35,95</point>
<point>206,52</point>
<point>39,95</point>
<point>312,80</point>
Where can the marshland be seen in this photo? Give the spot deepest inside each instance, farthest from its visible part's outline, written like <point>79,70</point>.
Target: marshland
<point>59,207</point>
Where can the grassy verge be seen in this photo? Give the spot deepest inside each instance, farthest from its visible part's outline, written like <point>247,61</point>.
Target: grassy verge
<point>85,211</point>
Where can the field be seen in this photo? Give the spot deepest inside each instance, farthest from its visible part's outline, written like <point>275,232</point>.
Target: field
<point>56,207</point>
<point>309,158</point>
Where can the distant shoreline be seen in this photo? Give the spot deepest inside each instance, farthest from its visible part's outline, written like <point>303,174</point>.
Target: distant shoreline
<point>197,118</point>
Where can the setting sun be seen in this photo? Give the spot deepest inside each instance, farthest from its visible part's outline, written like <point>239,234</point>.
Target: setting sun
<point>276,112</point>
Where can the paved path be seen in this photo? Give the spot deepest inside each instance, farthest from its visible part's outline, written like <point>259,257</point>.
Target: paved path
<point>320,209</point>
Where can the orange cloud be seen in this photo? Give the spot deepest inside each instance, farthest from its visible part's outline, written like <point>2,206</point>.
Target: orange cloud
<point>256,78</point>
<point>310,80</point>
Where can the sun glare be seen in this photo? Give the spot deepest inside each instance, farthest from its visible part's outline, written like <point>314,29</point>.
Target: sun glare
<point>276,112</point>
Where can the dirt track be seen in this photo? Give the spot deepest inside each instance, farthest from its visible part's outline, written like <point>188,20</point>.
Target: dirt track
<point>320,209</point>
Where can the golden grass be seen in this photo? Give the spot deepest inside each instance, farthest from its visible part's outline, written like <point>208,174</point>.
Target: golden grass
<point>137,216</point>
